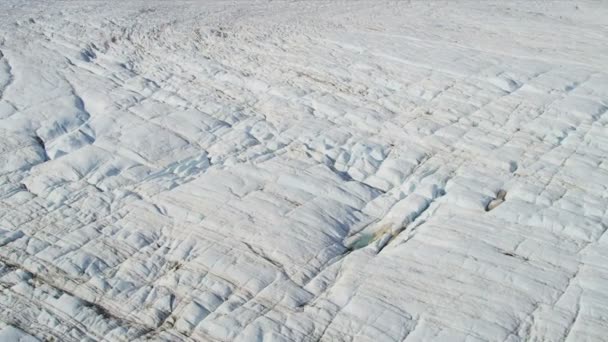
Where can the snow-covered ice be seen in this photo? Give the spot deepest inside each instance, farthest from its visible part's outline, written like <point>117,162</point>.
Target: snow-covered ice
<point>303,170</point>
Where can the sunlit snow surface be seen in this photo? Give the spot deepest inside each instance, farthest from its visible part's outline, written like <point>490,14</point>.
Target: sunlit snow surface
<point>303,171</point>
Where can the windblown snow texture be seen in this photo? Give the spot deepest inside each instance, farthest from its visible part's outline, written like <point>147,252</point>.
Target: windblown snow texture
<point>303,170</point>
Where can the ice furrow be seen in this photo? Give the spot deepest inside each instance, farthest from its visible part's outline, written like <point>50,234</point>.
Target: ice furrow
<point>6,75</point>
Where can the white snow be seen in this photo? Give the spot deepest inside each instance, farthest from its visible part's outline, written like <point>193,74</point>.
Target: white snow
<point>303,170</point>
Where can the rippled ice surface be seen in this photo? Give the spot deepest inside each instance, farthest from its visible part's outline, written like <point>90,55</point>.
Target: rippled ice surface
<point>303,171</point>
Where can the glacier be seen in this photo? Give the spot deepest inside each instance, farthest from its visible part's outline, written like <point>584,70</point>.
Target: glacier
<point>303,170</point>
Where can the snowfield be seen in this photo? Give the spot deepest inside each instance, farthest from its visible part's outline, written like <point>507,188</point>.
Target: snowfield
<point>303,170</point>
